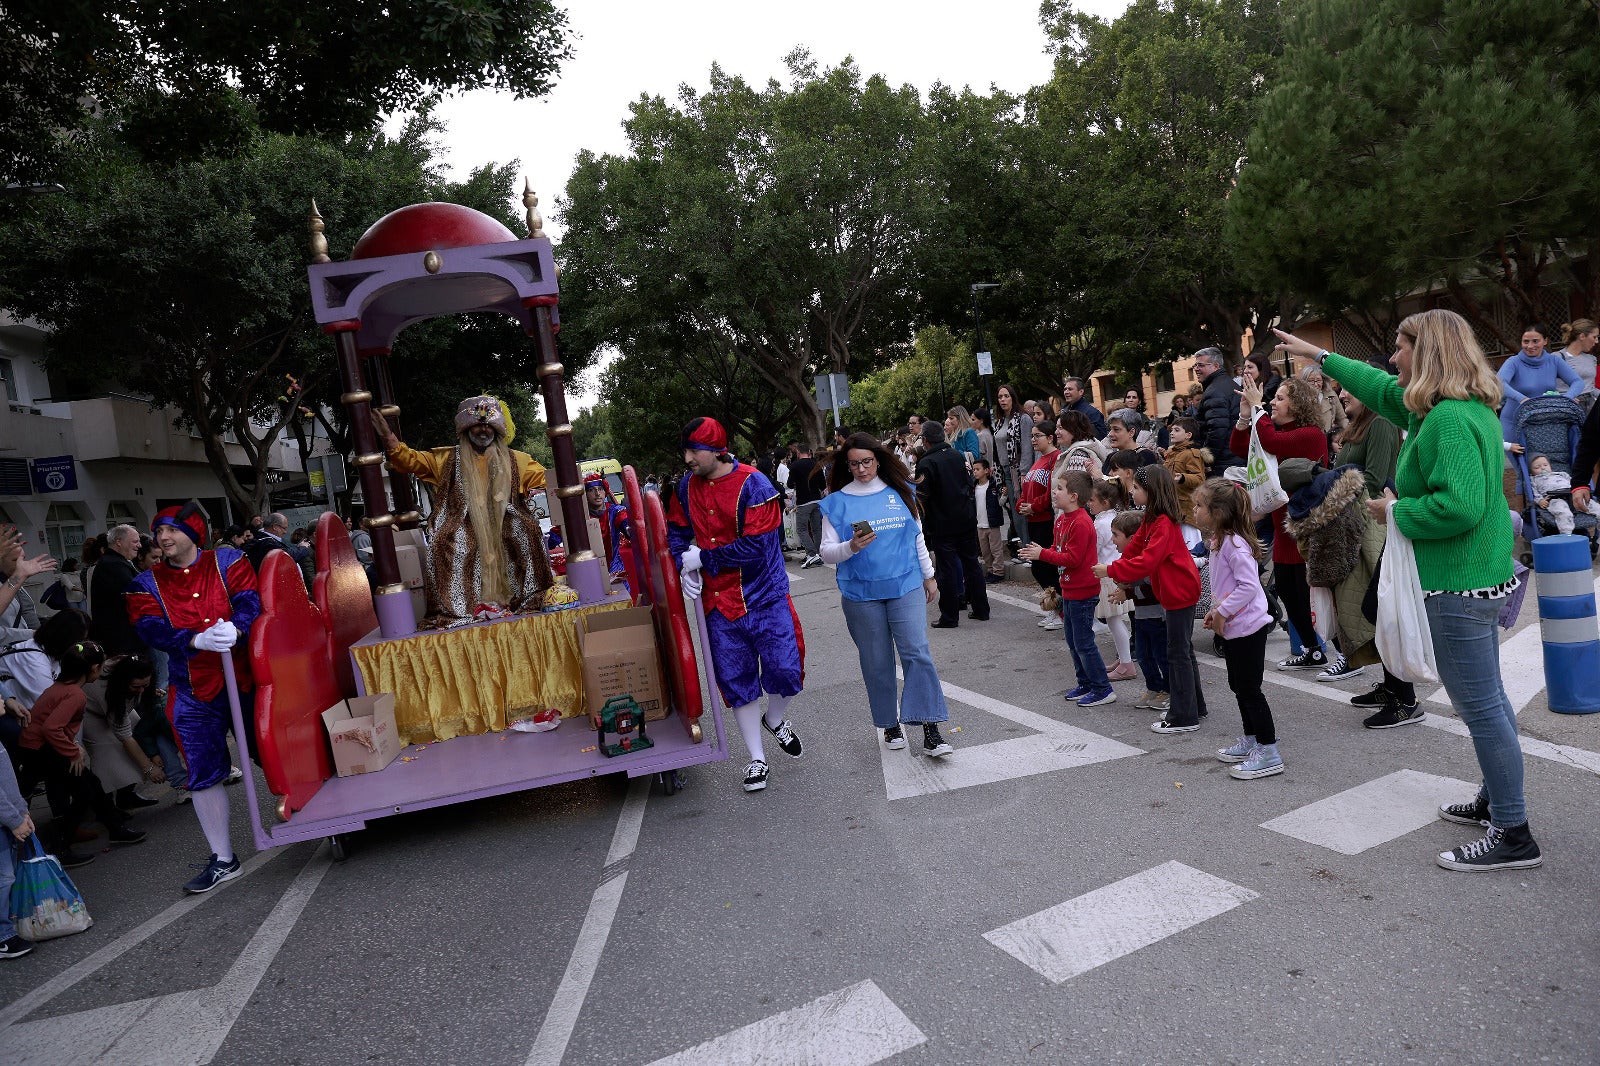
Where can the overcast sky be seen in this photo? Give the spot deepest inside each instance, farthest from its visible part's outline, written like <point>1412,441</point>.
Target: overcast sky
<point>627,47</point>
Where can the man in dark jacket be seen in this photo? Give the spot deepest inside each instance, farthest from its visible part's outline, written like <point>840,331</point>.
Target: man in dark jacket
<point>950,527</point>
<point>1219,408</point>
<point>1073,399</point>
<point>270,538</point>
<point>109,624</point>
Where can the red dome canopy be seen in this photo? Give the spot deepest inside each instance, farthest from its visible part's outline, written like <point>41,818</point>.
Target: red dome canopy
<point>424,227</point>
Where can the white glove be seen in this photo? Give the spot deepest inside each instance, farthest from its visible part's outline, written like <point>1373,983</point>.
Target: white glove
<point>692,583</point>
<point>691,559</point>
<point>219,637</point>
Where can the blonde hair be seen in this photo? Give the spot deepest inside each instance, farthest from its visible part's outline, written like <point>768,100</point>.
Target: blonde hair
<point>1446,363</point>
<point>1305,402</point>
<point>963,420</point>
<point>1575,329</point>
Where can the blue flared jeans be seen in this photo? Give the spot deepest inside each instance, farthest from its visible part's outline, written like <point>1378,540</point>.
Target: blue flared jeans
<point>881,628</point>
<point>1466,649</point>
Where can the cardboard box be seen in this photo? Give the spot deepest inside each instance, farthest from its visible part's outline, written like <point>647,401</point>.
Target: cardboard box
<point>409,558</point>
<point>362,733</point>
<point>620,658</point>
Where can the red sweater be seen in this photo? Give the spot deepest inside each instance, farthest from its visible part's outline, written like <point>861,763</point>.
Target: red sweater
<point>1035,490</point>
<point>1301,442</point>
<point>1158,552</point>
<point>55,720</point>
<point>1075,552</point>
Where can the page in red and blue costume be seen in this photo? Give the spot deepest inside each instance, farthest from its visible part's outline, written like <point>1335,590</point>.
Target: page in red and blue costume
<point>737,523</point>
<point>617,530</point>
<point>169,606</point>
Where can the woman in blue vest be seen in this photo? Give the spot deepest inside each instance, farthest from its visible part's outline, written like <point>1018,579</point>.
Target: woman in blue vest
<point>885,584</point>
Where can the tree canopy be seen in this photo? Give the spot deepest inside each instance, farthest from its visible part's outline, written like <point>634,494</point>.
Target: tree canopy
<point>190,78</point>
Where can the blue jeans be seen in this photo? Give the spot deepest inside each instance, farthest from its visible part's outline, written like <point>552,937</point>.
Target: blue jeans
<point>8,875</point>
<point>1150,648</point>
<point>1078,616</point>
<point>158,665</point>
<point>881,628</point>
<point>1466,648</point>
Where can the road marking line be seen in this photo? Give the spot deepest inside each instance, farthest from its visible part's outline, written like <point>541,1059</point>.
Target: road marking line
<point>105,956</point>
<point>1054,746</point>
<point>1015,602</point>
<point>856,1026</point>
<point>626,838</point>
<point>1377,812</point>
<point>1521,669</point>
<point>1074,937</point>
<point>181,1029</point>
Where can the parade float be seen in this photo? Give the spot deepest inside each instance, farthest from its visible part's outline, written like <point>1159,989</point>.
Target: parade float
<point>460,695</point>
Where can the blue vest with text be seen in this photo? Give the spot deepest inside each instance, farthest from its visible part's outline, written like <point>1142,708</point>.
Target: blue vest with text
<point>888,567</point>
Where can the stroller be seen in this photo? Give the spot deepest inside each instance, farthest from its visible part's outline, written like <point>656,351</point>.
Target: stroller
<point>1550,426</point>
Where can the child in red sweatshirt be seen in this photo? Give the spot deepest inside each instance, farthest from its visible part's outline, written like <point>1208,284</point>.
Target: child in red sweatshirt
<point>1074,549</point>
<point>1158,552</point>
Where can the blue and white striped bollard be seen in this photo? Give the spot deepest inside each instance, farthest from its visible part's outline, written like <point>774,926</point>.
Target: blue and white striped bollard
<point>1567,623</point>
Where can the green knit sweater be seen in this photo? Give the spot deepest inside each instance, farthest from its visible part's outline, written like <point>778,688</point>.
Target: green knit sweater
<point>1452,505</point>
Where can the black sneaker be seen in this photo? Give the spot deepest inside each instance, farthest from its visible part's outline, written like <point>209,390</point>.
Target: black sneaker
<point>214,873</point>
<point>894,738</point>
<point>1474,813</point>
<point>755,776</point>
<point>71,860</point>
<point>15,948</point>
<point>130,800</point>
<point>1340,669</point>
<point>1376,696</point>
<point>1311,660</point>
<point>1394,714</point>
<point>934,744</point>
<point>1498,849</point>
<point>786,737</point>
<point>121,834</point>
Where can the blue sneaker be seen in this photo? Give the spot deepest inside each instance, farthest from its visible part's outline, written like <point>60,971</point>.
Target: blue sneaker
<point>216,871</point>
<point>1263,761</point>
<point>1077,694</point>
<point>1097,699</point>
<point>1238,751</point>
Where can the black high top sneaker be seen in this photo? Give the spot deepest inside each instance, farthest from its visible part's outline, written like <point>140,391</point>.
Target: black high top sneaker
<point>1499,849</point>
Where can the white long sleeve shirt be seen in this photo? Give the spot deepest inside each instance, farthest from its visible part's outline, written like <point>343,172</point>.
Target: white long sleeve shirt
<point>835,551</point>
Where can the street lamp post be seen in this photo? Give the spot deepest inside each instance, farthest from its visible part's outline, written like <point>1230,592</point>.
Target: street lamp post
<point>977,321</point>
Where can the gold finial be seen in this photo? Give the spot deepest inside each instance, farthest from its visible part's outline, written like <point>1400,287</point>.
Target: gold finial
<point>531,201</point>
<point>319,243</point>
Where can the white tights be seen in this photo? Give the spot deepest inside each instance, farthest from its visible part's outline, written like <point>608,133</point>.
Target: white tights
<point>211,806</point>
<point>1119,637</point>
<point>750,717</point>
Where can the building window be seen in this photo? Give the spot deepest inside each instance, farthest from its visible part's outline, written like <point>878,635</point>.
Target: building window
<point>63,531</point>
<point>1164,380</point>
<point>9,373</point>
<point>119,513</point>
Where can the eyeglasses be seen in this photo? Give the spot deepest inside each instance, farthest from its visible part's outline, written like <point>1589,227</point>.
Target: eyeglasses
<point>860,464</point>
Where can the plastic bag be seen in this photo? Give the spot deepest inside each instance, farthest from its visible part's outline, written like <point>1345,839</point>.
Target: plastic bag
<point>1323,612</point>
<point>1404,638</point>
<point>44,901</point>
<point>1261,478</point>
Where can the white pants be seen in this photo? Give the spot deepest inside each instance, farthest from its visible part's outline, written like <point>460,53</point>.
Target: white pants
<point>1561,511</point>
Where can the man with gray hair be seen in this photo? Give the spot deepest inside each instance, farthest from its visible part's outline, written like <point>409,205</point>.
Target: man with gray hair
<point>109,625</point>
<point>270,537</point>
<point>1219,407</point>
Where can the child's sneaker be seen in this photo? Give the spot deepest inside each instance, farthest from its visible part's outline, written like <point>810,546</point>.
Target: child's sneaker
<point>1238,751</point>
<point>1164,724</point>
<point>1161,701</point>
<point>1098,699</point>
<point>1077,693</point>
<point>1147,701</point>
<point>1263,761</point>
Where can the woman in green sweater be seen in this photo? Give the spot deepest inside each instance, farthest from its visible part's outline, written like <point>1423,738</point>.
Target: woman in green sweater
<point>1452,508</point>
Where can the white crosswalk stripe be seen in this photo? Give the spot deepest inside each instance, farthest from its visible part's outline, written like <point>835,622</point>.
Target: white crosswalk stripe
<point>1377,812</point>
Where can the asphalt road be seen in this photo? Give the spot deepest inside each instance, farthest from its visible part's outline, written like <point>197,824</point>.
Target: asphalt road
<point>1088,891</point>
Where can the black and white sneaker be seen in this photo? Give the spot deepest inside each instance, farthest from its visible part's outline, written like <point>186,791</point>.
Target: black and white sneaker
<point>787,740</point>
<point>933,743</point>
<point>1394,714</point>
<point>1498,849</point>
<point>1376,696</point>
<point>15,948</point>
<point>215,872</point>
<point>1474,813</point>
<point>1165,724</point>
<point>755,776</point>
<point>811,560</point>
<point>1311,660</point>
<point>1340,669</point>
<point>894,738</point>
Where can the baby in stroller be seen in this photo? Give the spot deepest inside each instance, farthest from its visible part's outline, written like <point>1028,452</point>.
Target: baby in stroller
<point>1552,490</point>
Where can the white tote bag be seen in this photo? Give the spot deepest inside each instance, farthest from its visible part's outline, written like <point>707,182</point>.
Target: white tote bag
<point>1404,638</point>
<point>1261,477</point>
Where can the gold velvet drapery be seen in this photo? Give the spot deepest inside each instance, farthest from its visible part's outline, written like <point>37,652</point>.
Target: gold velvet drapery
<point>458,682</point>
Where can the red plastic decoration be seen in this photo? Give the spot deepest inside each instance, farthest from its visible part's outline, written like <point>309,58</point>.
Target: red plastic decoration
<point>343,595</point>
<point>295,683</point>
<point>429,227</point>
<point>672,621</point>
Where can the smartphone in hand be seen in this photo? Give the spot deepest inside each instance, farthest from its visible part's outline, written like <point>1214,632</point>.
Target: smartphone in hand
<point>861,529</point>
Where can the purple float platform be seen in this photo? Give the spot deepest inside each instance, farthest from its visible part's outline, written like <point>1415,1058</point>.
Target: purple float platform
<point>489,764</point>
